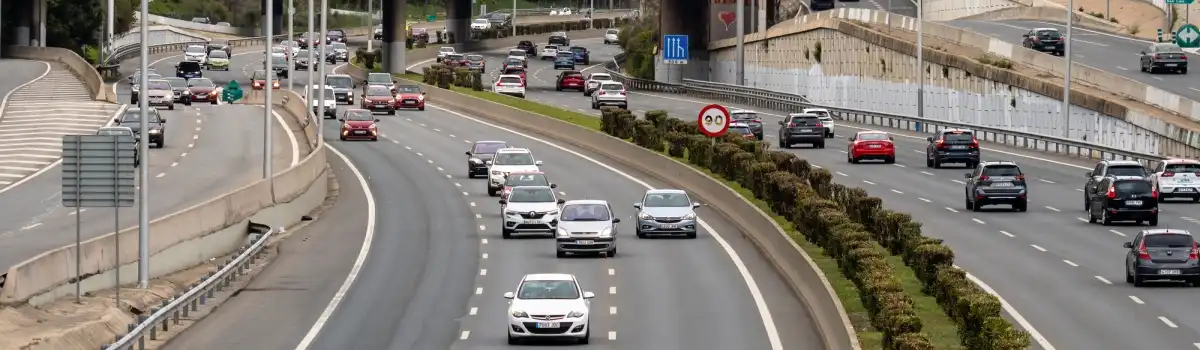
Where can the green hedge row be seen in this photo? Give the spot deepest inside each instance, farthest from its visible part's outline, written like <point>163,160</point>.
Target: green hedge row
<point>444,76</point>
<point>851,226</point>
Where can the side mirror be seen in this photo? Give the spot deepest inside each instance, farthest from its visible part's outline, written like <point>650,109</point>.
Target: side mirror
<point>1026,35</point>
<point>509,295</point>
<point>1143,52</point>
<point>966,175</point>
<point>162,120</point>
<point>422,93</point>
<point>503,202</point>
<point>561,201</point>
<point>341,119</point>
<point>891,138</point>
<point>695,205</point>
<point>589,295</point>
<point>468,153</point>
<point>1087,174</point>
<point>930,139</point>
<point>376,120</point>
<point>553,185</point>
<point>116,120</point>
<point>637,206</point>
<point>538,163</point>
<point>851,138</point>
<point>616,220</point>
<point>780,122</point>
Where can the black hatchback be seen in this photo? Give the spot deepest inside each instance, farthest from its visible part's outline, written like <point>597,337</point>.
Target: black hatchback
<point>801,128</point>
<point>952,146</point>
<point>996,183</point>
<point>1162,255</point>
<point>1123,198</point>
<point>480,156</point>
<point>1044,40</point>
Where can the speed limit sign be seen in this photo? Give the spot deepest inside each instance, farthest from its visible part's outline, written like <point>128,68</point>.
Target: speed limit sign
<point>713,120</point>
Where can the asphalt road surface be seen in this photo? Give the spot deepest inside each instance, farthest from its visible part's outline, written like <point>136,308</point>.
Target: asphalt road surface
<point>1062,275</point>
<point>438,266</point>
<point>209,150</point>
<point>901,7</point>
<point>18,72</point>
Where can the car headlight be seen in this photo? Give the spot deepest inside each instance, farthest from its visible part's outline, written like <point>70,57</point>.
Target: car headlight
<point>497,173</point>
<point>644,216</point>
<point>563,233</point>
<point>155,131</point>
<point>373,127</point>
<point>575,314</point>
<point>185,92</point>
<point>689,216</point>
<point>475,160</point>
<point>519,314</point>
<point>606,232</point>
<point>511,213</point>
<point>421,97</point>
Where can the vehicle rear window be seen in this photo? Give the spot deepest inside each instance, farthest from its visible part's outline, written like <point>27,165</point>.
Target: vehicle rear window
<point>612,31</point>
<point>1183,168</point>
<point>191,66</point>
<point>574,75</point>
<point>740,129</point>
<point>510,80</point>
<point>1133,186</point>
<point>1002,170</point>
<point>1053,34</point>
<point>487,148</point>
<point>745,116</point>
<point>1126,170</point>
<point>577,49</point>
<point>873,137</point>
<point>612,87</point>
<point>805,121</point>
<point>159,85</point>
<point>958,137</point>
<point>819,113</point>
<point>1168,241</point>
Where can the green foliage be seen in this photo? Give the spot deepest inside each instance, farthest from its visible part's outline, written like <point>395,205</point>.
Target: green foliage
<point>71,24</point>
<point>638,39</point>
<point>215,10</point>
<point>444,77</point>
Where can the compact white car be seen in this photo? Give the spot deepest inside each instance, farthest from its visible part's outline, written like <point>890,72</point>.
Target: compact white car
<point>612,36</point>
<point>196,53</point>
<point>549,305</point>
<point>507,161</point>
<point>587,226</point>
<point>611,93</point>
<point>593,82</point>
<point>1178,178</point>
<point>825,117</point>
<point>529,209</point>
<point>511,85</point>
<point>566,11</point>
<point>517,54</point>
<point>481,24</point>
<point>443,52</point>
<point>312,94</point>
<point>549,52</point>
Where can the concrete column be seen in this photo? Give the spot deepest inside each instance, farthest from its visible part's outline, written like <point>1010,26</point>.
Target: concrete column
<point>23,14</point>
<point>458,21</point>
<point>393,14</point>
<point>41,5</point>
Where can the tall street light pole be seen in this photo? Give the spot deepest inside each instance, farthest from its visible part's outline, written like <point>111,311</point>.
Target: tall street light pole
<point>370,22</point>
<point>144,149</point>
<point>1066,100</point>
<point>920,61</point>
<point>291,35</point>
<point>320,84</point>
<point>740,71</point>
<point>269,102</point>
<point>309,37</point>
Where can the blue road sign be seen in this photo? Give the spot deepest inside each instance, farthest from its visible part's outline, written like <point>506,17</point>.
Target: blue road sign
<point>675,49</point>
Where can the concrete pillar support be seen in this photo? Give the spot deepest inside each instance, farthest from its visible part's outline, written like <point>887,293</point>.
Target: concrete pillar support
<point>41,9</point>
<point>458,21</point>
<point>22,13</point>
<point>394,35</point>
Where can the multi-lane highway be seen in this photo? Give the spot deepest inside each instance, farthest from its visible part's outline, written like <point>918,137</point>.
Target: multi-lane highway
<point>901,7</point>
<point>1062,275</point>
<point>437,266</point>
<point>209,150</point>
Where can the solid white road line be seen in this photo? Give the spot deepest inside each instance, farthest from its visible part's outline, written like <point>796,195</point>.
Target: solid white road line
<point>291,138</point>
<point>1007,234</point>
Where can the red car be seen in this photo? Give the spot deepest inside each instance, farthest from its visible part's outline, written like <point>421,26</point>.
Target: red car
<point>258,81</point>
<point>410,96</point>
<point>515,71</point>
<point>533,178</point>
<point>871,145</point>
<point>455,60</point>
<point>571,79</point>
<point>359,124</point>
<point>203,90</point>
<point>378,98</point>
<point>743,130</point>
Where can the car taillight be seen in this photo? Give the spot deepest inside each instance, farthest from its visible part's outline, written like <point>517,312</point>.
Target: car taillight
<point>818,125</point>
<point>1020,178</point>
<point>792,125</point>
<point>622,92</point>
<point>1112,193</point>
<point>1183,57</point>
<point>1036,40</point>
<point>941,144</point>
<point>601,93</point>
<point>1157,56</point>
<point>983,177</point>
<point>1194,254</point>
<point>974,144</point>
<point>499,84</point>
<point>1145,255</point>
<point>1154,193</point>
<point>758,121</point>
<point>1168,174</point>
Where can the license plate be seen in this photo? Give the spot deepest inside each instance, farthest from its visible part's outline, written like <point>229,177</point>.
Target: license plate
<point>1050,47</point>
<point>1168,272</point>
<point>1185,189</point>
<point>1133,203</point>
<point>805,130</point>
<point>1002,184</point>
<point>548,325</point>
<point>380,106</point>
<point>958,147</point>
<point>584,242</point>
<point>360,132</point>
<point>668,226</point>
<point>410,102</point>
<point>533,221</point>
<point>1169,64</point>
<point>874,146</point>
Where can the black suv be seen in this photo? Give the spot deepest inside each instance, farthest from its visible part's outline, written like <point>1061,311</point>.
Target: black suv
<point>1123,198</point>
<point>1106,168</point>
<point>335,36</point>
<point>218,45</point>
<point>952,146</point>
<point>1162,254</point>
<point>528,46</point>
<point>480,155</point>
<point>559,38</point>
<point>801,128</point>
<point>1044,40</point>
<point>132,118</point>
<point>996,183</point>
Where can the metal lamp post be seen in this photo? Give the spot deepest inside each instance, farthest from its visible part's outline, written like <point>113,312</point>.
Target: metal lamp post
<point>320,84</point>
<point>268,103</point>
<point>920,61</point>
<point>370,22</point>
<point>144,149</point>
<point>1066,100</point>
<point>290,36</point>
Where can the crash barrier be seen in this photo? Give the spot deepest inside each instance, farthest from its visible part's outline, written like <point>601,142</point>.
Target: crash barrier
<point>183,239</point>
<point>429,53</point>
<point>76,64</point>
<point>134,50</point>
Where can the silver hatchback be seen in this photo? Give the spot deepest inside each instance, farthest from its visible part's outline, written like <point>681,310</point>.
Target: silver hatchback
<point>587,226</point>
<point>666,212</point>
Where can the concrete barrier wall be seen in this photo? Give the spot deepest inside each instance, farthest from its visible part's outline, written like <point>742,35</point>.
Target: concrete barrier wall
<point>182,239</point>
<point>159,35</point>
<point>1172,118</point>
<point>185,24</point>
<point>79,66</point>
<point>947,10</point>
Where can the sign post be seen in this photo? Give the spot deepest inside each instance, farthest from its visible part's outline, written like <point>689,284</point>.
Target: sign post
<point>713,121</point>
<point>1188,36</point>
<point>97,172</point>
<point>675,49</point>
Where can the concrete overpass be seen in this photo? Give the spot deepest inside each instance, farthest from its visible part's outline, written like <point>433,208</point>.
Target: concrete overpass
<point>28,22</point>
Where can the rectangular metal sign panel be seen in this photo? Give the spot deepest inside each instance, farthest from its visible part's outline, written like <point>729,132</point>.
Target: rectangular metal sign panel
<point>98,171</point>
<point>675,49</point>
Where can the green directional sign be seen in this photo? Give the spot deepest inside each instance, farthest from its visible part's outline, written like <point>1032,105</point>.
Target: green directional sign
<point>231,93</point>
<point>1188,36</point>
<point>431,18</point>
<point>1180,2</point>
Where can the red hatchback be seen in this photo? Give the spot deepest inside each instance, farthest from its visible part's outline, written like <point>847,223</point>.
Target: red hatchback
<point>571,79</point>
<point>410,96</point>
<point>359,124</point>
<point>871,145</point>
<point>378,98</point>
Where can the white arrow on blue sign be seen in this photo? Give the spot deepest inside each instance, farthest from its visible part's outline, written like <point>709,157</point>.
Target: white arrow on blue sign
<point>675,49</point>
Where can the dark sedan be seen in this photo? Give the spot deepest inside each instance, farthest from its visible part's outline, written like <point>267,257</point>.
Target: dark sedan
<point>132,118</point>
<point>1164,57</point>
<point>180,90</point>
<point>528,46</point>
<point>219,44</point>
<point>582,55</point>
<point>480,155</point>
<point>1044,40</point>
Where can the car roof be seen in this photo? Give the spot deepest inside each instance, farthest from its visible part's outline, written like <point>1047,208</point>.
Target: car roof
<point>955,131</point>
<point>803,115</point>
<point>586,201</point>
<point>528,173</point>
<point>337,75</point>
<point>1112,162</point>
<point>666,190</point>
<point>1129,178</point>
<point>998,162</point>
<point>114,128</point>
<point>872,132</point>
<point>1045,28</point>
<point>479,142</point>
<point>509,76</point>
<point>1165,231</point>
<point>741,111</point>
<point>548,277</point>
<point>810,110</point>
<point>1181,161</point>
<point>513,150</point>
<point>739,125</point>
<point>548,188</point>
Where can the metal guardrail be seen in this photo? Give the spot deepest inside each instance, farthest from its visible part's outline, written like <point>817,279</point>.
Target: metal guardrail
<point>133,50</point>
<point>162,318</point>
<point>763,98</point>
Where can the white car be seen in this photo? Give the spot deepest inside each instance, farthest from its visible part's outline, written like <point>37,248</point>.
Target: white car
<point>511,85</point>
<point>593,82</point>
<point>517,54</point>
<point>196,53</point>
<point>561,12</point>
<point>1178,178</point>
<point>612,36</point>
<point>313,93</point>
<point>825,117</point>
<point>549,52</point>
<point>611,93</point>
<point>507,161</point>
<point>443,52</point>
<point>160,94</point>
<point>552,303</point>
<point>529,209</point>
<point>480,24</point>
<point>587,226</point>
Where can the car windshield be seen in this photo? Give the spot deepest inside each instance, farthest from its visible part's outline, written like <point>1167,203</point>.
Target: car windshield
<point>612,87</point>
<point>824,114</point>
<point>454,57</point>
<point>341,82</point>
<point>339,46</point>
<point>564,54</point>
<point>531,195</point>
<point>1133,186</point>
<point>1126,170</point>
<point>585,212</point>
<point>516,53</point>
<point>513,158</point>
<point>446,49</point>
<point>958,137</point>
<point>278,62</point>
<point>114,132</point>
<point>135,115</point>
<point>514,62</point>
<point>1183,168</point>
<point>379,78</point>
<point>278,49</point>
<point>740,129</point>
<point>408,89</point>
<point>551,48</point>
<point>303,54</point>
<point>1168,241</point>
<point>510,80</point>
<point>189,66</point>
<point>177,82</point>
<point>601,77</point>
<point>336,32</point>
<point>217,54</point>
<point>612,31</point>
<point>667,200</point>
<point>201,82</point>
<point>745,116</point>
<point>159,85</point>
<point>195,49</point>
<point>1002,170</point>
<point>535,290</point>
<point>562,34</point>
<point>1168,48</point>
<point>487,147</point>
<point>259,75</point>
<point>359,115</point>
<point>475,58</point>
<point>316,92</point>
<point>1053,34</point>
<point>418,30</point>
<point>873,136</point>
<point>481,20</point>
<point>376,91</point>
<point>515,180</point>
